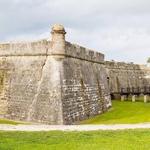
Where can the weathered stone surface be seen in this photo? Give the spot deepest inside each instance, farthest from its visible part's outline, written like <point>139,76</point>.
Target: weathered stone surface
<point>32,89</point>
<point>124,75</point>
<point>85,91</point>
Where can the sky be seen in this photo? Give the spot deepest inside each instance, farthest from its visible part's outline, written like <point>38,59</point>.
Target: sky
<point>118,28</point>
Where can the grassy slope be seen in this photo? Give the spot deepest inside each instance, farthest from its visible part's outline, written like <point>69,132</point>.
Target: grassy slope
<point>97,140</point>
<point>123,112</point>
<point>4,121</point>
<point>11,122</point>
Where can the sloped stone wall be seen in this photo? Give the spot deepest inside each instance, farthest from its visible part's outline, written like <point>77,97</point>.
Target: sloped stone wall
<point>85,91</point>
<point>30,83</point>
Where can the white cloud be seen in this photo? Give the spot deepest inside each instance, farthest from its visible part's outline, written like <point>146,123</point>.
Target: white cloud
<point>118,28</point>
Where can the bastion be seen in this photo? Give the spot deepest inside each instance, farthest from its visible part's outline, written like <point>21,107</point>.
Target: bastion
<point>57,82</point>
<point>52,82</point>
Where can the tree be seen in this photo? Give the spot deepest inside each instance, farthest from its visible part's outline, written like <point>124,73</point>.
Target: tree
<point>148,61</point>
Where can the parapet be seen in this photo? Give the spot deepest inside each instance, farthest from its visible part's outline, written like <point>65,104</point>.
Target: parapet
<point>83,53</point>
<point>122,65</point>
<point>24,48</point>
<point>58,46</point>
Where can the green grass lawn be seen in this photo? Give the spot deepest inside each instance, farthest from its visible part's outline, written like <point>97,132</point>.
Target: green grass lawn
<point>96,140</point>
<point>123,112</point>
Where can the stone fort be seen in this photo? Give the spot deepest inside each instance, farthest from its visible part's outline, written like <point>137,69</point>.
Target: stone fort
<point>56,82</point>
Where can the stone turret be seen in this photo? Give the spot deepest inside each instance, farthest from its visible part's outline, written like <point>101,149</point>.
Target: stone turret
<point>58,39</point>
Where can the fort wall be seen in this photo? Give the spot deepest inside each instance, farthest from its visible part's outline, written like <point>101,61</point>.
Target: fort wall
<point>85,89</point>
<point>126,75</point>
<point>57,82</point>
<point>53,82</point>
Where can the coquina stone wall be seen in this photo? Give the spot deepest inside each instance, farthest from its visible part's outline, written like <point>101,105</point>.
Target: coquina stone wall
<point>53,82</point>
<point>85,90</point>
<point>56,82</point>
<point>30,83</point>
<point>126,75</point>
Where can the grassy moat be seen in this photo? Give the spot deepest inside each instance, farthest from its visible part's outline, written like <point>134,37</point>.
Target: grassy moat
<point>123,113</point>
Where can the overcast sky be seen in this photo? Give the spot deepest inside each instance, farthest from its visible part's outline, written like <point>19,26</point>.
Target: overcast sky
<point>118,28</point>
